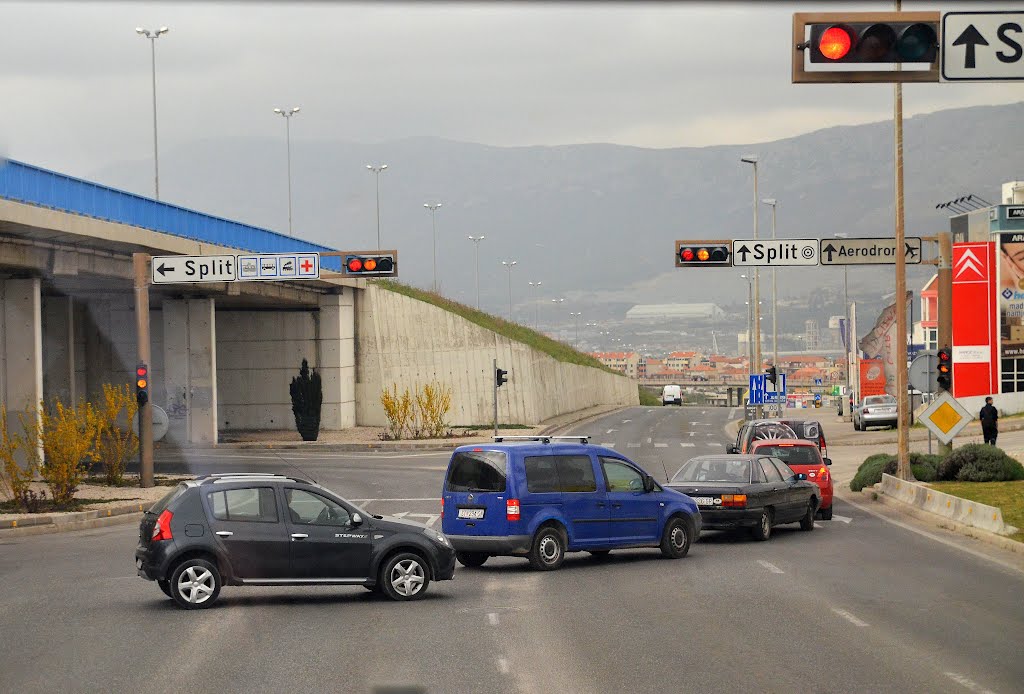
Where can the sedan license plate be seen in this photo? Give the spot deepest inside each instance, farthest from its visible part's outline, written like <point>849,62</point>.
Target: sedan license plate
<point>471,513</point>
<point>704,500</point>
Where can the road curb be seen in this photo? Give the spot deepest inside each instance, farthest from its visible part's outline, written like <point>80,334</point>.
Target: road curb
<point>80,520</point>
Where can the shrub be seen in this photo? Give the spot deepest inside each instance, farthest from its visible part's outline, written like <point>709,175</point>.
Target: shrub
<point>115,446</point>
<point>421,414</point>
<point>922,465</point>
<point>433,403</point>
<point>69,436</point>
<point>15,479</point>
<point>398,410</point>
<point>984,463</point>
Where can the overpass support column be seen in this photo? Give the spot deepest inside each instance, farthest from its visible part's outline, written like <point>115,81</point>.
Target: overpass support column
<point>337,365</point>
<point>21,349</point>
<point>59,348</point>
<point>190,371</point>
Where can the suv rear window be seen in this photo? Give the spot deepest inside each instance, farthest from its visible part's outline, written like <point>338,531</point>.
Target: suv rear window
<point>477,471</point>
<point>159,506</point>
<point>559,473</point>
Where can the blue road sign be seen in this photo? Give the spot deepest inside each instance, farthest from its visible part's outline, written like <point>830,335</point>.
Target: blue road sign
<point>777,397</point>
<point>758,386</point>
<point>817,381</point>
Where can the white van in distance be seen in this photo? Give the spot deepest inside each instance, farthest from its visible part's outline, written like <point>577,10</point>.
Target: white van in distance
<point>672,395</point>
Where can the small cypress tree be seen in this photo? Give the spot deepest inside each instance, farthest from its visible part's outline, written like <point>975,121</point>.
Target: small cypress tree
<point>307,397</point>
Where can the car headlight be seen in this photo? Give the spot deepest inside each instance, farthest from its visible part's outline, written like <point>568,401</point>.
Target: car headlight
<point>436,537</point>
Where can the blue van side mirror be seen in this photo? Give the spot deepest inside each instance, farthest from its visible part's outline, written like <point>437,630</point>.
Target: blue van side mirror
<point>648,484</point>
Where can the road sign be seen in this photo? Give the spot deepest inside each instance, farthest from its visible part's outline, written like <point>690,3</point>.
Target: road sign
<point>1015,212</point>
<point>187,269</point>
<point>975,319</point>
<point>758,385</point>
<point>817,381</point>
<point>279,266</point>
<point>768,252</point>
<point>983,45</point>
<point>868,251</point>
<point>778,396</point>
<point>924,372</point>
<point>945,417</point>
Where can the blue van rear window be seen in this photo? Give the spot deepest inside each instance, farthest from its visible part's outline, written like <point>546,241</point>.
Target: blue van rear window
<point>477,471</point>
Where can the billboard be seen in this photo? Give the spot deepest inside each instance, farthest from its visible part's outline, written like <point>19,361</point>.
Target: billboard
<point>975,319</point>
<point>872,377</point>
<point>1011,295</point>
<point>880,344</point>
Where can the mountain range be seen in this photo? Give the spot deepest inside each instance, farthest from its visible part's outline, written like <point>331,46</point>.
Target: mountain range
<point>596,223</point>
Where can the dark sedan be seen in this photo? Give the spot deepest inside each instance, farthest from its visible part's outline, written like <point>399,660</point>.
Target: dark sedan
<point>748,491</point>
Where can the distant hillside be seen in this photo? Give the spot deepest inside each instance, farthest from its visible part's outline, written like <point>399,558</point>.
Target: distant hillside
<point>595,223</point>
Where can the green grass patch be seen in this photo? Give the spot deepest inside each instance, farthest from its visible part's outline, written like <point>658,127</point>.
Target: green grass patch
<point>647,398</point>
<point>1006,496</point>
<point>520,333</point>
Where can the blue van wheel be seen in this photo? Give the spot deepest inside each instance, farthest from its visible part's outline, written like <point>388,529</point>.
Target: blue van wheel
<point>676,539</point>
<point>548,550</point>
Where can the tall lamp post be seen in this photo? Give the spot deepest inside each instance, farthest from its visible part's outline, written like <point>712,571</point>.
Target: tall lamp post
<point>433,206</point>
<point>287,114</point>
<point>536,307</point>
<point>750,327</point>
<point>752,159</point>
<point>775,303</point>
<point>849,337</point>
<point>476,245</point>
<point>556,302</point>
<point>577,315</point>
<point>153,36</point>
<point>509,264</point>
<point>376,171</point>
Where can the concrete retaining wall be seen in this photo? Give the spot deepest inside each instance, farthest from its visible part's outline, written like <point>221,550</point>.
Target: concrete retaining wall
<point>946,505</point>
<point>407,342</point>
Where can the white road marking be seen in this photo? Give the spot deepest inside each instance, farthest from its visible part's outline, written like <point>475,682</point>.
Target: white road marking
<point>714,443</point>
<point>610,431</point>
<point>400,514</point>
<point>771,567</point>
<point>967,683</point>
<point>850,618</point>
<point>502,666</point>
<point>492,617</point>
<point>692,433</point>
<point>649,411</point>
<point>841,519</point>
<point>661,445</point>
<point>688,445</point>
<point>431,517</point>
<point>608,445</point>
<point>648,439</point>
<point>703,411</point>
<point>632,445</point>
<point>818,525</point>
<point>626,421</point>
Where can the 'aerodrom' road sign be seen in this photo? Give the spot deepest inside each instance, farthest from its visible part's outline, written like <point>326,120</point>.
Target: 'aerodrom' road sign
<point>868,251</point>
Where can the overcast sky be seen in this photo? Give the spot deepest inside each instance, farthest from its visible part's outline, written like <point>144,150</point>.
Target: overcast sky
<point>76,91</point>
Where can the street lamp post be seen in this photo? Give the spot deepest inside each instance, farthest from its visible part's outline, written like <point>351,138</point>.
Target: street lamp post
<point>752,159</point>
<point>376,171</point>
<point>556,302</point>
<point>750,327</point>
<point>433,206</point>
<point>153,36</point>
<point>287,114</point>
<point>476,244</point>
<point>536,308</point>
<point>509,264</point>
<point>775,303</point>
<point>848,342</point>
<point>577,315</point>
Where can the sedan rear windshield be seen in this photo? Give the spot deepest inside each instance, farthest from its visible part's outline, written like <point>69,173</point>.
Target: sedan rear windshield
<point>792,455</point>
<point>731,470</point>
<point>477,471</point>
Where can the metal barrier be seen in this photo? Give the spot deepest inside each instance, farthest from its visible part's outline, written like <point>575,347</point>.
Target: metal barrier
<point>43,188</point>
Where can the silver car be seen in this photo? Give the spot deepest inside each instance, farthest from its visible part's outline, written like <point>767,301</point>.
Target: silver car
<point>875,411</point>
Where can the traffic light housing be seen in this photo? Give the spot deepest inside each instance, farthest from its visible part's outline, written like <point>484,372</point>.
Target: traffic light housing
<point>142,383</point>
<point>772,374</point>
<point>370,264</point>
<point>867,45</point>
<point>499,377</point>
<point>945,369</point>
<point>703,254</point>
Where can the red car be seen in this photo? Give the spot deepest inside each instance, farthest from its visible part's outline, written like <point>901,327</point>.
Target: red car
<point>802,456</point>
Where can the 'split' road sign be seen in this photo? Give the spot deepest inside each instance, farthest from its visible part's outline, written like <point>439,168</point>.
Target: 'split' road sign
<point>188,269</point>
<point>983,46</point>
<point>767,252</point>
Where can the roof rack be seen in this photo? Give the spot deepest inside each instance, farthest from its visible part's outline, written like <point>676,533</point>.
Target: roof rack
<point>219,477</point>
<point>543,439</point>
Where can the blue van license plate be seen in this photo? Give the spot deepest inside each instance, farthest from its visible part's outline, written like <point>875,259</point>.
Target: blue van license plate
<point>471,513</point>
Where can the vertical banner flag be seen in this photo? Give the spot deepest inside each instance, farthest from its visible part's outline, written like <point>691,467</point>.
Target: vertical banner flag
<point>975,339</point>
<point>880,343</point>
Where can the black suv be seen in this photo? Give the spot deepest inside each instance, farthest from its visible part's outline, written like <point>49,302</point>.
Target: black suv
<point>263,529</point>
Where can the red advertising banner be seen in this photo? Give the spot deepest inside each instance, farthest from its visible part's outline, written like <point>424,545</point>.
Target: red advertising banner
<point>872,377</point>
<point>975,320</point>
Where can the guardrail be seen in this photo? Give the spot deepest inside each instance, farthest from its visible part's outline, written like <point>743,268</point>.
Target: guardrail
<point>955,508</point>
<point>32,185</point>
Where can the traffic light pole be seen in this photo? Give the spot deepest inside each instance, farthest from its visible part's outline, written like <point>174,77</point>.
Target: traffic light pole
<point>945,301</point>
<point>140,262</point>
<point>900,349</point>
<point>495,372</point>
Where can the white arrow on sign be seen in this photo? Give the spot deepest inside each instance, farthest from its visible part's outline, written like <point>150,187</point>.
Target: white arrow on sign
<point>768,252</point>
<point>983,46</point>
<point>189,269</point>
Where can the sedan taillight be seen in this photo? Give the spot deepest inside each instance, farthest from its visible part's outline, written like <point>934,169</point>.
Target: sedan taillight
<point>162,529</point>
<point>734,500</point>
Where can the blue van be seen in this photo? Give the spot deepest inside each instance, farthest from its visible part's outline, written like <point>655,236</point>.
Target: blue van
<point>540,497</point>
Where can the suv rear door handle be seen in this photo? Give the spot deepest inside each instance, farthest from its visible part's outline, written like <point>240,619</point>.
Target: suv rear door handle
<point>600,504</point>
<point>616,505</point>
<point>299,536</point>
<point>225,533</point>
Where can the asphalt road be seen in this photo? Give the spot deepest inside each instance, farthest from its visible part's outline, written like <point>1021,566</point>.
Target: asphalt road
<point>858,605</point>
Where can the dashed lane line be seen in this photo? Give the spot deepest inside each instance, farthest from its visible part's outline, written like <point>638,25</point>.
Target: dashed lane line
<point>967,683</point>
<point>661,445</point>
<point>492,617</point>
<point>850,618</point>
<point>608,445</point>
<point>688,445</point>
<point>771,567</point>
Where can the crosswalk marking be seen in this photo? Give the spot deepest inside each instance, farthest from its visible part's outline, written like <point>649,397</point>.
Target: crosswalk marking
<point>608,445</point>
<point>632,445</point>
<point>688,445</point>
<point>661,445</point>
<point>714,443</point>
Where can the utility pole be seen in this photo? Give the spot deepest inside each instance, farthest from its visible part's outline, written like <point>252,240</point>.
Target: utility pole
<point>945,302</point>
<point>903,470</point>
<point>140,263</point>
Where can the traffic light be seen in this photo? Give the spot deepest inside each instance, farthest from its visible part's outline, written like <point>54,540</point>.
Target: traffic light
<point>142,384</point>
<point>772,374</point>
<point>370,264</point>
<point>703,254</point>
<point>866,46</point>
<point>499,377</point>
<point>945,367</point>
<point>847,42</point>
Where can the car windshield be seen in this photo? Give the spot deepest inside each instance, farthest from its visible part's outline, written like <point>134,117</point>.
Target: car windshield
<point>791,454</point>
<point>880,400</point>
<point>731,470</point>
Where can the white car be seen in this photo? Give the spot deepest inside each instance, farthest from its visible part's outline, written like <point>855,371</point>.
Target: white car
<point>672,395</point>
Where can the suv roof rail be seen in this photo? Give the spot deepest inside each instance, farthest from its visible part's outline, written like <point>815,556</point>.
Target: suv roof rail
<point>543,439</point>
<point>240,476</point>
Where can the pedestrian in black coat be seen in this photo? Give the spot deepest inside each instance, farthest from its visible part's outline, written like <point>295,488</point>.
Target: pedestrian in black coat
<point>989,421</point>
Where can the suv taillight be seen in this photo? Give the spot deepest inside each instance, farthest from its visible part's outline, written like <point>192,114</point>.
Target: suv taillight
<point>442,507</point>
<point>512,509</point>
<point>822,446</point>
<point>162,529</point>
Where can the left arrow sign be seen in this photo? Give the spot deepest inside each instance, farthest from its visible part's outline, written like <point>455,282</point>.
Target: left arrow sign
<point>164,269</point>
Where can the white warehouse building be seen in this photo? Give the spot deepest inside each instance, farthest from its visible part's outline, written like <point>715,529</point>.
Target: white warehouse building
<point>661,312</point>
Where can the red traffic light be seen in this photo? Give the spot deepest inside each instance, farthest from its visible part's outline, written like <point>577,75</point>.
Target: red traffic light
<point>835,43</point>
<point>371,264</point>
<point>354,264</point>
<point>141,371</point>
<point>703,253</point>
<point>686,254</point>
